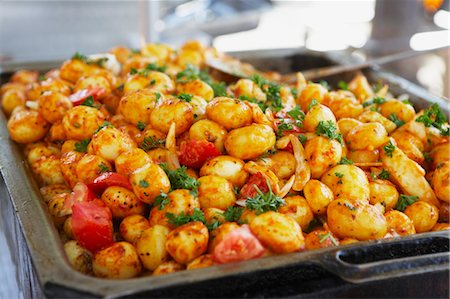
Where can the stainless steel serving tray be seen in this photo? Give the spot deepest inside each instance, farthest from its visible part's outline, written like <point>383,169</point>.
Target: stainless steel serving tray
<point>358,263</point>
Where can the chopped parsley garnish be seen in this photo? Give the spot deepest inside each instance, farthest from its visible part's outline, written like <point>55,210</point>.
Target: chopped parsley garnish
<point>87,60</point>
<point>103,167</point>
<point>284,126</point>
<point>79,56</point>
<point>343,85</point>
<point>158,96</point>
<point>389,149</point>
<point>82,145</point>
<point>191,73</point>
<point>297,114</point>
<point>272,91</point>
<point>143,184</point>
<point>106,124</point>
<point>339,175</point>
<point>328,236</point>
<point>182,218</point>
<point>233,214</point>
<point>373,176</point>
<point>261,105</point>
<point>328,129</point>
<point>264,202</point>
<point>185,97</point>
<point>89,101</point>
<point>313,103</point>
<point>349,206</point>
<point>302,138</point>
<point>325,84</point>
<point>151,143</point>
<point>433,116</point>
<point>133,71</point>
<point>375,100</point>
<point>155,67</point>
<point>213,225</point>
<point>161,201</point>
<point>346,161</point>
<point>398,122</point>
<point>294,92</point>
<point>42,78</point>
<point>407,102</point>
<point>179,179</point>
<point>140,125</point>
<point>220,89</point>
<point>404,201</point>
<point>384,175</point>
<point>427,157</point>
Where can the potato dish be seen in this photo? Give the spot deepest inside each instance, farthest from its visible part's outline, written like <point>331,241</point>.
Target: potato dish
<point>150,164</point>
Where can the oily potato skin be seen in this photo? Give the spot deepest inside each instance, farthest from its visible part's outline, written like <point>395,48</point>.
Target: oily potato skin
<point>122,202</point>
<point>27,126</point>
<point>69,161</point>
<point>298,209</point>
<point>227,167</point>
<point>441,181</point>
<point>150,246</point>
<point>355,219</point>
<point>187,242</point>
<point>321,154</point>
<point>172,111</point>
<point>316,114</point>
<point>81,122</point>
<point>311,91</point>
<point>423,215</point>
<point>132,227</point>
<point>11,99</point>
<point>137,106</point>
<point>384,192</point>
<point>118,261</point>
<point>403,111</point>
<point>196,87</point>
<point>210,131</point>
<point>229,113</point>
<point>168,267</point>
<point>353,184</point>
<point>109,143</point>
<point>215,192</point>
<point>79,258</point>
<point>249,142</point>
<point>89,167</point>
<point>149,181</point>
<point>368,136</point>
<point>318,196</point>
<point>319,238</point>
<point>399,223</point>
<point>202,261</point>
<point>128,162</point>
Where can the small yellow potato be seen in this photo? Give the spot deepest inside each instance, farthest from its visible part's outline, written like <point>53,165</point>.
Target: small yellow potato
<point>227,167</point>
<point>440,154</point>
<point>345,125</point>
<point>202,261</point>
<point>441,226</point>
<point>364,156</point>
<point>132,227</point>
<point>355,219</point>
<point>248,88</point>
<point>122,202</point>
<point>57,132</point>
<point>321,154</point>
<point>137,62</point>
<point>149,181</point>
<point>298,209</point>
<point>213,215</point>
<point>407,174</point>
<point>121,53</point>
<point>197,88</point>
<point>118,261</point>
<point>368,136</point>
<point>217,235</point>
<point>89,167</point>
<point>210,131</point>
<point>79,258</point>
<point>69,162</point>
<point>441,182</point>
<point>311,91</point>
<point>199,107</point>
<point>250,142</point>
<point>423,215</point>
<point>399,224</point>
<point>81,122</point>
<point>137,106</point>
<point>74,69</point>
<point>12,86</point>
<point>26,126</point>
<point>47,170</point>
<point>160,51</point>
<point>109,143</point>
<point>280,233</point>
<point>403,111</point>
<point>68,229</point>
<point>344,104</point>
<point>229,113</point>
<point>68,146</point>
<point>38,151</point>
<point>172,111</point>
<point>316,114</point>
<point>187,57</point>
<point>347,181</point>
<point>25,77</point>
<point>383,192</point>
<point>187,242</point>
<point>151,247</point>
<point>94,81</point>
<point>137,82</point>
<point>282,164</point>
<point>151,138</point>
<point>215,192</point>
<point>410,145</point>
<point>56,207</point>
<point>361,87</point>
<point>318,196</point>
<point>159,155</point>
<point>320,238</point>
<point>49,191</point>
<point>156,81</point>
<point>369,116</point>
<point>167,268</point>
<point>128,162</point>
<point>11,99</point>
<point>179,201</point>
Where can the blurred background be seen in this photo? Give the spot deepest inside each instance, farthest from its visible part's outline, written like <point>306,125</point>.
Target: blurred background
<point>42,30</point>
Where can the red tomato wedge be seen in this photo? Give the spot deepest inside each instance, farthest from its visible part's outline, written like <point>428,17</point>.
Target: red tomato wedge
<point>80,193</point>
<point>194,153</point>
<point>239,245</point>
<point>92,225</point>
<point>109,179</point>
<point>80,96</point>
<point>249,190</point>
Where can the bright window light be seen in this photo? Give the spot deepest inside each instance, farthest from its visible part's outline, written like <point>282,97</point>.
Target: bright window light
<point>430,40</point>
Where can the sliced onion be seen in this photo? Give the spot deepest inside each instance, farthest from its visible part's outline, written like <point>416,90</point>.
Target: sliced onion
<point>171,143</point>
<point>253,168</point>
<point>287,187</point>
<point>301,82</point>
<point>172,161</point>
<point>258,115</point>
<point>241,202</point>
<point>32,105</point>
<point>302,170</point>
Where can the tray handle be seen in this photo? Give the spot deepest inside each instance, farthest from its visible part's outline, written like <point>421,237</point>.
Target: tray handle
<point>432,254</point>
